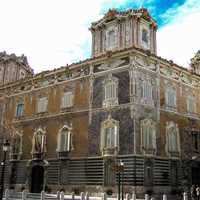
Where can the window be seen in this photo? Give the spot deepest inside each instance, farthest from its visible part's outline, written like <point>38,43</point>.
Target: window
<point>145,35</point>
<point>20,110</point>
<point>64,143</point>
<point>133,87</point>
<point>171,98</point>
<point>42,104</point>
<point>111,39</point>
<point>195,140</point>
<point>110,92</point>
<point>39,141</point>
<point>147,90</point>
<point>148,130</point>
<point>191,104</point>
<point>67,100</point>
<point>21,74</point>
<point>172,133</point>
<point>109,136</point>
<point>110,139</point>
<point>16,146</point>
<point>145,38</point>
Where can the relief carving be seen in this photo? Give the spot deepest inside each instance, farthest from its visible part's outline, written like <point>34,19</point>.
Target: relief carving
<point>111,65</point>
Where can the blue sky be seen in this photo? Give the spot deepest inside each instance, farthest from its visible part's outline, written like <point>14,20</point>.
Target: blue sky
<point>156,7</point>
<point>52,33</point>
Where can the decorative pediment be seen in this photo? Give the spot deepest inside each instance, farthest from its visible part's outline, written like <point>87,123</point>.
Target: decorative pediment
<point>111,15</point>
<point>113,64</point>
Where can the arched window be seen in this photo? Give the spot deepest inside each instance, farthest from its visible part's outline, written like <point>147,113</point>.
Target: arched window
<point>16,145</point>
<point>109,136</point>
<point>148,130</point>
<point>172,134</point>
<point>64,143</point>
<point>39,141</point>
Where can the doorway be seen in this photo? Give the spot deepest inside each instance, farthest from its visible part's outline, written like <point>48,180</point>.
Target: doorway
<point>196,175</point>
<point>37,179</point>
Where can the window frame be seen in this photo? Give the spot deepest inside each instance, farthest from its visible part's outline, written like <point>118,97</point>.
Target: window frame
<point>148,126</point>
<point>40,108</point>
<point>110,89</point>
<point>13,154</point>
<point>67,96</point>
<point>169,93</point>
<point>68,145</point>
<point>193,103</point>
<point>42,149</point>
<point>109,124</point>
<point>172,149</point>
<point>19,109</point>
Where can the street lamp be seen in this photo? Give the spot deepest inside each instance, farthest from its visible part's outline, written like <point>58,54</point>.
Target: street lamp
<point>6,146</point>
<point>122,177</point>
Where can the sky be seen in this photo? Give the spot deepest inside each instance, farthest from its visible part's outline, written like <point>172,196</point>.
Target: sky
<point>53,33</point>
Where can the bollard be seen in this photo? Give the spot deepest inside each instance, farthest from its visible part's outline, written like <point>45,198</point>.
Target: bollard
<point>24,195</point>
<point>146,197</point>
<point>82,196</point>
<point>58,195</point>
<point>62,195</point>
<point>128,197</point>
<point>164,197</point>
<point>42,195</point>
<point>185,196</point>
<point>7,194</point>
<point>73,196</point>
<point>104,196</point>
<point>86,196</point>
<point>134,196</point>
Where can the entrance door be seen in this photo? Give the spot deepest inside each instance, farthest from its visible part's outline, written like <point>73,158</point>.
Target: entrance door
<point>196,175</point>
<point>37,178</point>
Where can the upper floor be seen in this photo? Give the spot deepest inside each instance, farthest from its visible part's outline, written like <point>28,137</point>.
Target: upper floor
<point>13,68</point>
<point>120,30</point>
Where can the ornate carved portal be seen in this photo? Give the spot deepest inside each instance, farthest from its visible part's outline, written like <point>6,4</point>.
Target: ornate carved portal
<point>37,175</point>
<point>37,179</point>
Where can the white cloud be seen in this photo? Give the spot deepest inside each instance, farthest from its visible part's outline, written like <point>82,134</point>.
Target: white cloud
<point>180,40</point>
<point>52,33</point>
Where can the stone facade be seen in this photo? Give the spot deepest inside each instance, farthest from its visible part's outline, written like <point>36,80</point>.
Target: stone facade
<point>13,68</point>
<point>125,103</point>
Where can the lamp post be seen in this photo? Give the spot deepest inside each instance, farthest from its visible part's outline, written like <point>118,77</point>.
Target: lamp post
<point>6,146</point>
<point>122,177</point>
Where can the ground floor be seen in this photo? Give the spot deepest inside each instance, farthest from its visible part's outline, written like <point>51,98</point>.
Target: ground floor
<point>96,174</point>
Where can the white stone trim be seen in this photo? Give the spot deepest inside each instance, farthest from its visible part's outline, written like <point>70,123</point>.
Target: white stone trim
<point>148,126</point>
<point>107,124</point>
<point>170,147</point>
<point>67,132</point>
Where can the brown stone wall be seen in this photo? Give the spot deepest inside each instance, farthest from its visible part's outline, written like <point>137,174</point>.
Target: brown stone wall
<point>54,118</point>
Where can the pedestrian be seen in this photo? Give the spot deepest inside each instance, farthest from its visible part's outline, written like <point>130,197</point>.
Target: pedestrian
<point>193,192</point>
<point>198,192</point>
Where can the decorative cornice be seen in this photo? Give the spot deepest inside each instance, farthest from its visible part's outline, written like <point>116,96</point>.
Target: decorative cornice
<point>114,14</point>
<point>21,60</point>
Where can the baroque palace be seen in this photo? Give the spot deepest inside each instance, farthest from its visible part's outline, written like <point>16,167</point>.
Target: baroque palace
<point>69,126</point>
